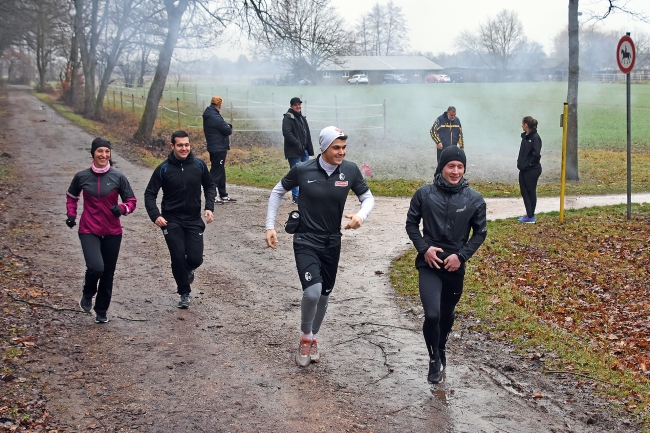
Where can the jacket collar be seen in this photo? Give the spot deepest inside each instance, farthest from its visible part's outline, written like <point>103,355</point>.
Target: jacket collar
<point>172,159</point>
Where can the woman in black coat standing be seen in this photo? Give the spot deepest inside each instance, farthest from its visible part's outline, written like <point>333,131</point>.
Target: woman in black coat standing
<point>530,169</point>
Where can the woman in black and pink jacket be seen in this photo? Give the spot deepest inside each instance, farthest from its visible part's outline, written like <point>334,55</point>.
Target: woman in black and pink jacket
<point>100,231</point>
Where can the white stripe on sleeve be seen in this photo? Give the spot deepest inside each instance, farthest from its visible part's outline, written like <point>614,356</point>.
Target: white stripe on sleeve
<point>274,205</point>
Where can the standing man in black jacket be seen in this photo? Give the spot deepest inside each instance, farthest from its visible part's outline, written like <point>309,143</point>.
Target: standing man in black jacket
<point>217,136</point>
<point>297,139</point>
<point>449,209</point>
<point>530,169</point>
<point>447,131</point>
<point>181,177</point>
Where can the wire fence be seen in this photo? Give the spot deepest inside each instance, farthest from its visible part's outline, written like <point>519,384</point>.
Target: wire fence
<point>184,106</point>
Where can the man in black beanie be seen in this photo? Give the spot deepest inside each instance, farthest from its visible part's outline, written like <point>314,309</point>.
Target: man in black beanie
<point>449,209</point>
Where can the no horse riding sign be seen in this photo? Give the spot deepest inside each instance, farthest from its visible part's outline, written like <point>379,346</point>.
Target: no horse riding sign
<point>625,54</point>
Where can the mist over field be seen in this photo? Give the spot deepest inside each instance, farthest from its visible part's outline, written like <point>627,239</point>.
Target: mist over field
<point>490,114</point>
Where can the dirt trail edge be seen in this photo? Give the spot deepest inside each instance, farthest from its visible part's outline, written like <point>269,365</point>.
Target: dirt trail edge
<point>226,364</point>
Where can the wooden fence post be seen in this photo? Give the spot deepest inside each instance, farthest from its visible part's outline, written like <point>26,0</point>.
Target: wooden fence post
<point>178,112</point>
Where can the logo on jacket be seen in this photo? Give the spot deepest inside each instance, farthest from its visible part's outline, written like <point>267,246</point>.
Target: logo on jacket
<point>461,209</point>
<point>339,183</point>
<point>342,176</point>
<point>307,276</point>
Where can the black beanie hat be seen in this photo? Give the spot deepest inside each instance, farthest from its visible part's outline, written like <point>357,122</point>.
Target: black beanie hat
<point>451,153</point>
<point>97,143</point>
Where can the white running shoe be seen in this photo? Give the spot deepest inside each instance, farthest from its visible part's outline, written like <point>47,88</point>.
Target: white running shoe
<point>302,357</point>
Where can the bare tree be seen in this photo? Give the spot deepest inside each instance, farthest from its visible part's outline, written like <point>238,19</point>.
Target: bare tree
<point>382,31</point>
<point>51,27</point>
<point>302,34</point>
<point>612,6</point>
<point>497,40</point>
<point>14,23</point>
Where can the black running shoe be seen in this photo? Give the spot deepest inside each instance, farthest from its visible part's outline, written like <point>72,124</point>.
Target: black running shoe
<point>294,200</point>
<point>443,359</point>
<point>86,303</point>
<point>185,301</point>
<point>101,318</point>
<point>435,375</point>
<point>228,199</point>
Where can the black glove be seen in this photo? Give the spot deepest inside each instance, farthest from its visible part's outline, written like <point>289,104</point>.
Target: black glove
<point>71,221</point>
<point>117,210</point>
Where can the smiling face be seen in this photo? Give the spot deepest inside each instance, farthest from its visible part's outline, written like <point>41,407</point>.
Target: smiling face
<point>297,107</point>
<point>181,147</point>
<point>101,157</point>
<point>335,153</point>
<point>453,172</point>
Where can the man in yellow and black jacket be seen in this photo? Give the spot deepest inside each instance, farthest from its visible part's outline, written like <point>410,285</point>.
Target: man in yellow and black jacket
<point>447,131</point>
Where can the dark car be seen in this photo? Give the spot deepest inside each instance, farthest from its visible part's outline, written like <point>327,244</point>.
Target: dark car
<point>394,79</point>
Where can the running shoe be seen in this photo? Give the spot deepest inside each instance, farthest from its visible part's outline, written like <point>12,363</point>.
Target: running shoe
<point>185,301</point>
<point>86,303</point>
<point>218,200</point>
<point>101,318</point>
<point>527,220</point>
<point>314,356</point>
<point>294,200</point>
<point>302,357</point>
<point>435,374</point>
<point>190,276</point>
<point>228,199</point>
<point>443,359</point>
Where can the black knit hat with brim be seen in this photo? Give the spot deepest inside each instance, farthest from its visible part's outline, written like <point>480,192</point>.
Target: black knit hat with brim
<point>99,142</point>
<point>451,153</point>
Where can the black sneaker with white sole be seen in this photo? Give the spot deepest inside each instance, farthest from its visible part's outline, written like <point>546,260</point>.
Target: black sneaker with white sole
<point>185,301</point>
<point>228,199</point>
<point>101,318</point>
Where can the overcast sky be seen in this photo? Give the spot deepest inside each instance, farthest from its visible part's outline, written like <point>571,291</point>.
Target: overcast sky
<point>434,25</point>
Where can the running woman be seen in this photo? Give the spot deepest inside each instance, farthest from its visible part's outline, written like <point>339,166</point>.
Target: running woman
<point>448,209</point>
<point>100,231</point>
<point>181,177</point>
<point>324,185</point>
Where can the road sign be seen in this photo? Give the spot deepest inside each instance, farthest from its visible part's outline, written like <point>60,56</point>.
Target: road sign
<point>625,54</point>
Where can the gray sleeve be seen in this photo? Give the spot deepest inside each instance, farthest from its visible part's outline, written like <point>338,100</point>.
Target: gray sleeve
<point>274,205</point>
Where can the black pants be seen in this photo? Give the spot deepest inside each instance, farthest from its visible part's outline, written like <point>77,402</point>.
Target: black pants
<point>185,244</point>
<point>440,291</point>
<point>218,171</point>
<point>528,187</point>
<point>100,253</point>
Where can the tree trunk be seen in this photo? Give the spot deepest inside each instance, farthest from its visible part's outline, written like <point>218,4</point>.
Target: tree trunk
<point>572,93</point>
<point>174,17</point>
<point>41,56</point>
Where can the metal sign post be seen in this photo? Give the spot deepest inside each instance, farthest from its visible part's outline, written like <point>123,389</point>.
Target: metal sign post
<point>625,57</point>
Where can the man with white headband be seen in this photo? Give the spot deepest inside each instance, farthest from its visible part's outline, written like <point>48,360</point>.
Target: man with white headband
<point>324,185</point>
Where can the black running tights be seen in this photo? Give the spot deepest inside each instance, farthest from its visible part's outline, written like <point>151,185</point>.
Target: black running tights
<point>440,291</point>
<point>100,253</point>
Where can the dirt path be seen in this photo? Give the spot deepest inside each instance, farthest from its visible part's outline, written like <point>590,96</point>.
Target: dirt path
<point>226,363</point>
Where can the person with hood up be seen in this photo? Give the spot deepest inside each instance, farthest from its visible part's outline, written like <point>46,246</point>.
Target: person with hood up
<point>448,209</point>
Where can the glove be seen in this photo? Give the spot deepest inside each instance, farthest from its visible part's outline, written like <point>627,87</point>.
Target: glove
<point>117,210</point>
<point>71,221</point>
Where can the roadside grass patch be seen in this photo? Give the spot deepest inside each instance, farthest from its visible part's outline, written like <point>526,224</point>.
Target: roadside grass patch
<point>573,295</point>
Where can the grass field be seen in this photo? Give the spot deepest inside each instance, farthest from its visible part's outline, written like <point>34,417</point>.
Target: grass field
<point>490,113</point>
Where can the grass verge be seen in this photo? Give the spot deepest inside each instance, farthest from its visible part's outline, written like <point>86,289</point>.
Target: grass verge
<point>576,295</point>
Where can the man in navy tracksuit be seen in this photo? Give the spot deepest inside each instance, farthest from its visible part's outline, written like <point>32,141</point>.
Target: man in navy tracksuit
<point>181,177</point>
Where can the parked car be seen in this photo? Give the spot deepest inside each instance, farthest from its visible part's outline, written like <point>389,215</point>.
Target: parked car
<point>358,79</point>
<point>394,79</point>
<point>437,78</point>
<point>456,77</point>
